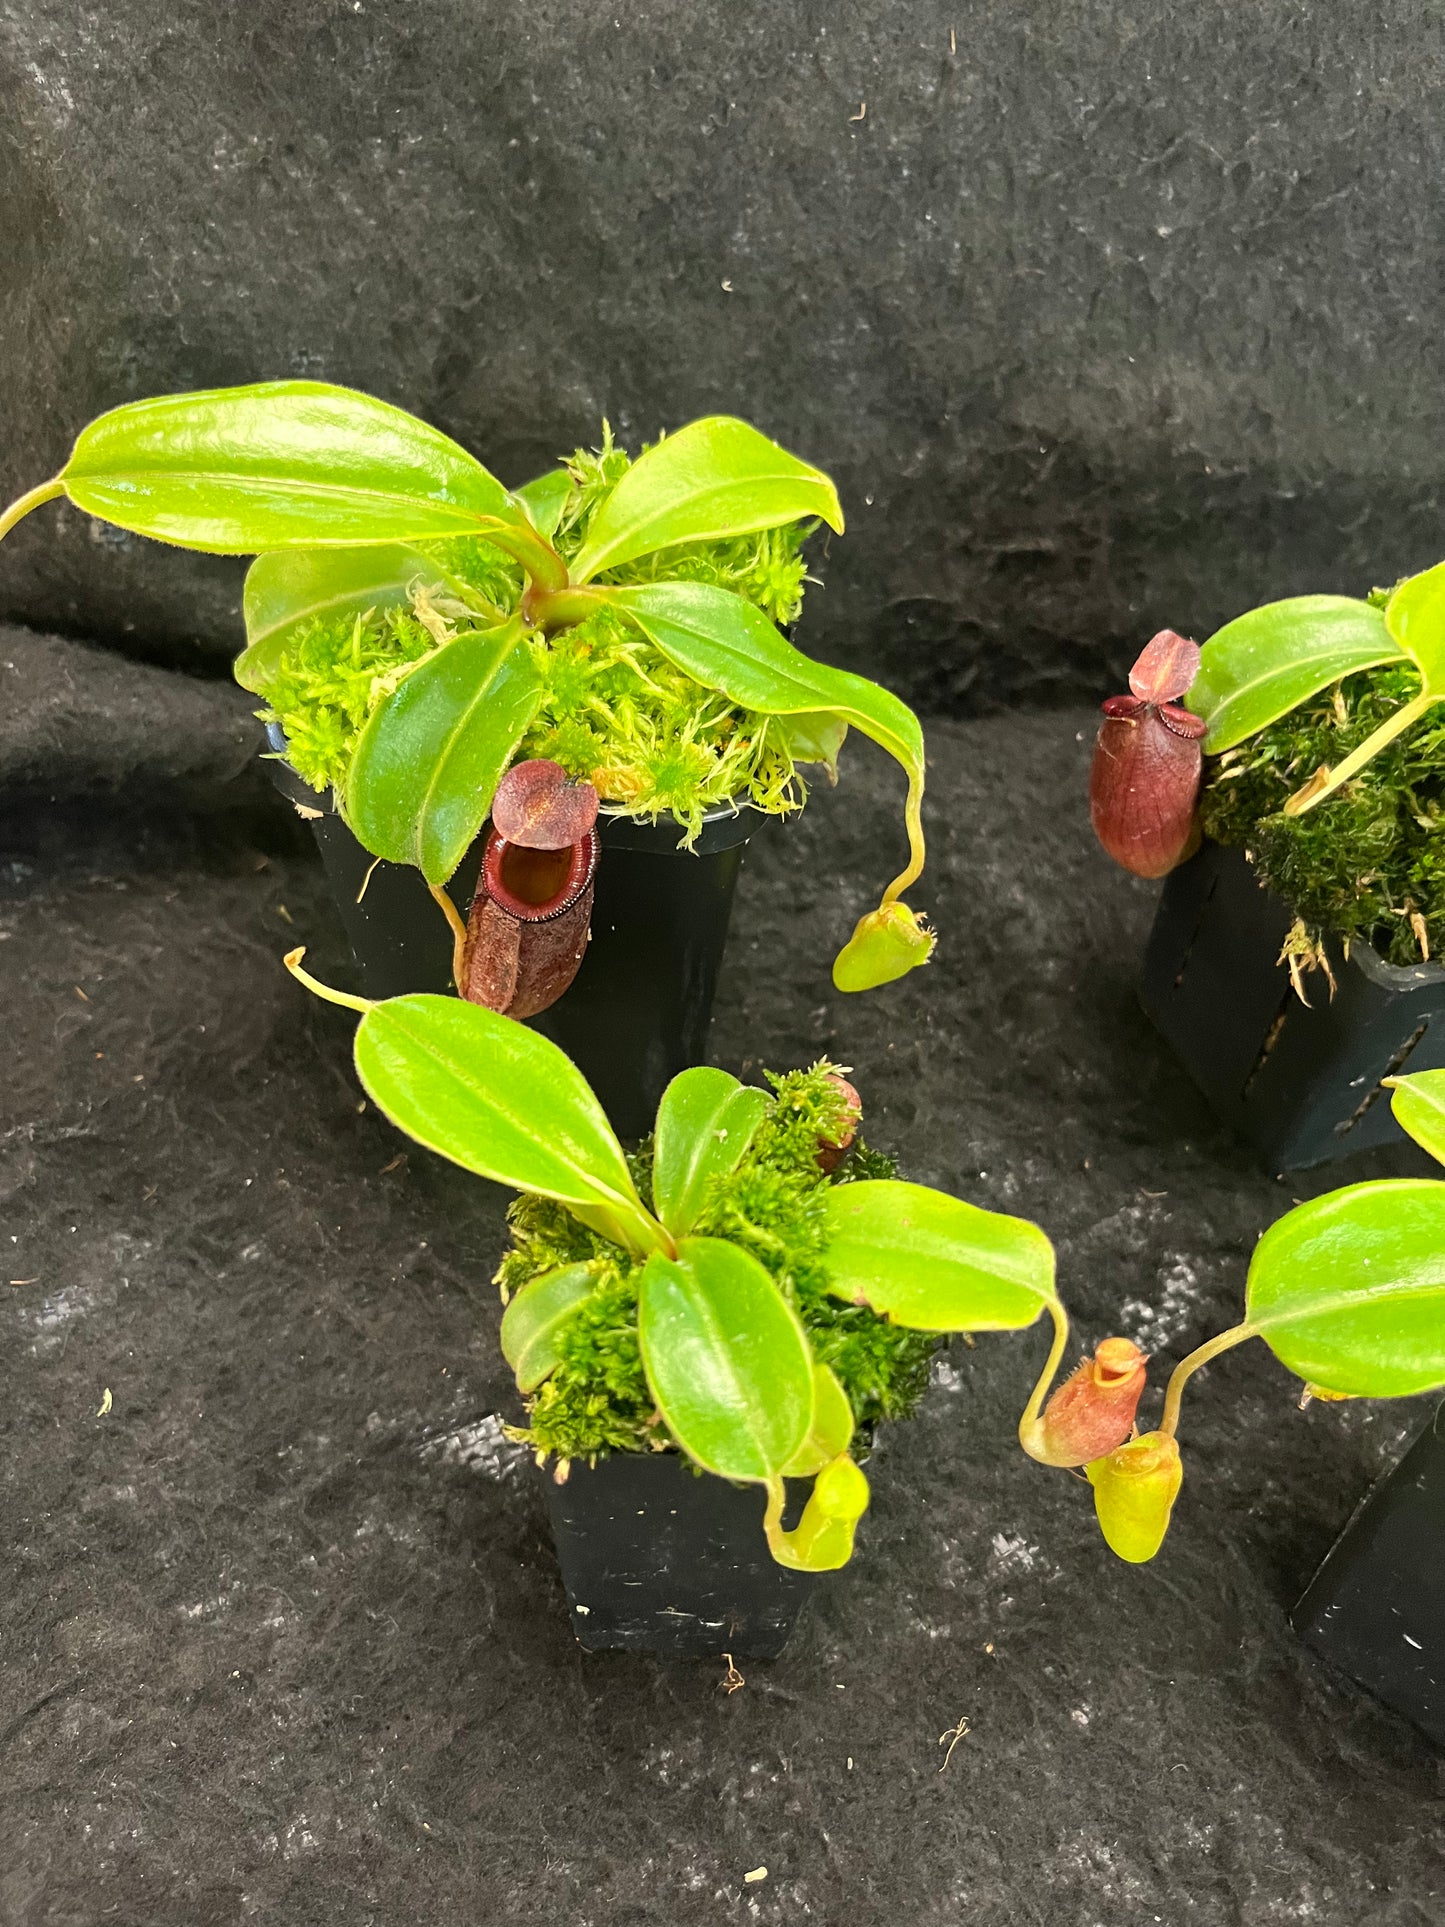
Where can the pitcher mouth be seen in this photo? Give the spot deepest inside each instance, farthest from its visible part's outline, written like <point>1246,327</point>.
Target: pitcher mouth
<point>536,885</point>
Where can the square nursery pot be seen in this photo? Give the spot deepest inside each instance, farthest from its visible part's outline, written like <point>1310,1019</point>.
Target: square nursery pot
<point>1301,1082</point>
<point>638,1009</point>
<point>657,1559</point>
<point>1376,1607</point>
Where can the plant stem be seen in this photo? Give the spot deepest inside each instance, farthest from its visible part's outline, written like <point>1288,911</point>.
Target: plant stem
<point>1393,726</point>
<point>459,934</point>
<point>546,569</point>
<point>292,961</point>
<point>548,609</point>
<point>17,510</point>
<point>1030,1423</point>
<point>1187,1367</point>
<point>913,819</point>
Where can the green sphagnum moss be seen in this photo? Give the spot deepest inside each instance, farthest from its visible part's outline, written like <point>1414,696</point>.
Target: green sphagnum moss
<point>597,1400</point>
<point>614,709</point>
<point>1369,863</point>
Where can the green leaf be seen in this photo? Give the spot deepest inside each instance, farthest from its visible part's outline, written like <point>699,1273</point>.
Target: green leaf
<point>1348,1290</point>
<point>712,479</point>
<point>282,464</point>
<point>502,1101</point>
<point>1415,618</point>
<point>705,1123</point>
<point>536,1315</point>
<point>1267,662</point>
<point>726,1359</point>
<point>934,1263</point>
<point>1418,1102</point>
<point>288,587</point>
<point>724,642</point>
<point>544,499</point>
<point>815,737</point>
<point>430,757</point>
<point>831,1432</point>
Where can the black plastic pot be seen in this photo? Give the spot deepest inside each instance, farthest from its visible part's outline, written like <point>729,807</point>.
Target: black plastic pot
<point>657,1559</point>
<point>639,1008</point>
<point>1302,1083</point>
<point>1376,1607</point>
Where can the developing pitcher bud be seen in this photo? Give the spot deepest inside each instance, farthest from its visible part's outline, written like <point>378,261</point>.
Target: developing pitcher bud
<point>885,945</point>
<point>833,1150</point>
<point>1134,1493</point>
<point>1144,784</point>
<point>1093,1410</point>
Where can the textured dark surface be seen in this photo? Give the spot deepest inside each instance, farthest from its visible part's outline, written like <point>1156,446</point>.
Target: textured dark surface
<point>1104,316</point>
<point>282,1635</point>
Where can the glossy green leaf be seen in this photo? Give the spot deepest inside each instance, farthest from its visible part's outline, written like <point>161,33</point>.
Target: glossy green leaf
<point>724,642</point>
<point>714,478</point>
<point>431,755</point>
<point>1348,1290</point>
<point>705,1123</point>
<point>544,499</point>
<point>281,464</point>
<point>726,1359</point>
<point>934,1263</point>
<point>1265,663</point>
<point>815,737</point>
<point>287,588</point>
<point>533,1319</point>
<point>831,1432</point>
<point>502,1101</point>
<point>1418,1102</point>
<point>1415,618</point>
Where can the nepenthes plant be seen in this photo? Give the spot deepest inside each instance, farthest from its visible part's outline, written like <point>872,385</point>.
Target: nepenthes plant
<point>416,628</point>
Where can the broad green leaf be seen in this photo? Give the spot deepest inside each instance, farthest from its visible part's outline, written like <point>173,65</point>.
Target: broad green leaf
<point>815,737</point>
<point>1265,663</point>
<point>286,588</point>
<point>281,464</point>
<point>536,1315</point>
<point>831,1432</point>
<point>431,755</point>
<point>705,1123</point>
<point>1348,1290</point>
<point>724,642</point>
<point>934,1263</point>
<point>714,478</point>
<point>1415,618</point>
<point>1418,1102</point>
<point>502,1101</point>
<point>544,499</point>
<point>726,1359</point>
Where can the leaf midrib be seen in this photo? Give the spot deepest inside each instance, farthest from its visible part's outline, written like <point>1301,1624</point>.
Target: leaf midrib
<point>257,484</point>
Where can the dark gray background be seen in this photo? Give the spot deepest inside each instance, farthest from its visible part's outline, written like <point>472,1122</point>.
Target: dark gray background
<point>1118,314</point>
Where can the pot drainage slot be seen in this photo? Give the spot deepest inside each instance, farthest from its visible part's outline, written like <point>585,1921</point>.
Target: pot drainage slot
<point>1377,1090</point>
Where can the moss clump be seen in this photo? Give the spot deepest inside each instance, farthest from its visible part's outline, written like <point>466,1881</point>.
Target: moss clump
<point>1369,863</point>
<point>614,709</point>
<point>597,1400</point>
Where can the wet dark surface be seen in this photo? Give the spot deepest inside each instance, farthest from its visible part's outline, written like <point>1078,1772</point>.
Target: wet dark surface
<point>283,1637</point>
